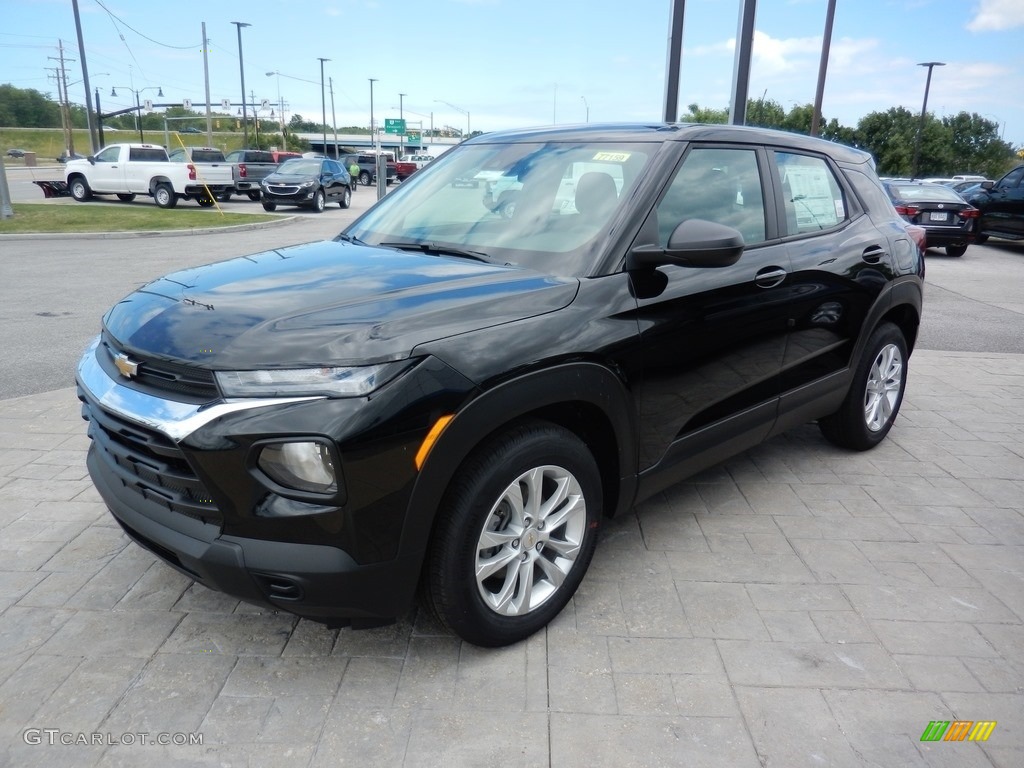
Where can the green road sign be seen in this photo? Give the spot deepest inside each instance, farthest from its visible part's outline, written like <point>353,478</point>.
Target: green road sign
<point>394,126</point>
<point>413,137</point>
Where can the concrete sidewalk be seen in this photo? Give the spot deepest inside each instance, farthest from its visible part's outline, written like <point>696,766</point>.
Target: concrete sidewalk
<point>796,606</point>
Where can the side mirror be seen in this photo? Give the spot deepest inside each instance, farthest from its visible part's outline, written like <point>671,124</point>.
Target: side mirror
<point>693,243</point>
<point>987,185</point>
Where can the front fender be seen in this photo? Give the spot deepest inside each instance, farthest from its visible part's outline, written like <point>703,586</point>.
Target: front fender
<point>589,384</point>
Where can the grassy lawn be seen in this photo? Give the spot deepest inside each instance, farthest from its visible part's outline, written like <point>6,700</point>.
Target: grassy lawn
<point>117,217</point>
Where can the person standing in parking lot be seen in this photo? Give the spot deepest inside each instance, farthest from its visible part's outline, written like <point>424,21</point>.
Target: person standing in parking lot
<point>353,171</point>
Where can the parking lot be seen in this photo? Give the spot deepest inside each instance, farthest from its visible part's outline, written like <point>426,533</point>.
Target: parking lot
<point>797,605</point>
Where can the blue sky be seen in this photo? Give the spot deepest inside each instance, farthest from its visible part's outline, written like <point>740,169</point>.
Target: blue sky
<point>514,63</point>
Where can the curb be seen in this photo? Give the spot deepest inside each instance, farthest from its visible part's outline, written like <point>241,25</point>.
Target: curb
<point>147,233</point>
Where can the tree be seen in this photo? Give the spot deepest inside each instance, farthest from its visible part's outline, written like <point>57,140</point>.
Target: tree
<point>975,146</point>
<point>27,108</point>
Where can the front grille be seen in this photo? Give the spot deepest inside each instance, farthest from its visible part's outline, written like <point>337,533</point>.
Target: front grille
<point>283,189</point>
<point>161,376</point>
<point>148,463</point>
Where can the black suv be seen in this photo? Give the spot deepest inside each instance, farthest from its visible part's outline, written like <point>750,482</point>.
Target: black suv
<point>450,398</point>
<point>1002,206</point>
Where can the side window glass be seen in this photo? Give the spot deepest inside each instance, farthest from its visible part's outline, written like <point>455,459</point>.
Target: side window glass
<point>1013,178</point>
<point>720,185</point>
<point>109,155</point>
<point>811,195</point>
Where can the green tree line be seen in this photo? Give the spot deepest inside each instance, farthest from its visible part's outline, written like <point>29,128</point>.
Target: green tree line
<point>960,143</point>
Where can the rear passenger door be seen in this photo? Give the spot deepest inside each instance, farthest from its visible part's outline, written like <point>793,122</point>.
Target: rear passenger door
<point>840,265</point>
<point>1005,211</point>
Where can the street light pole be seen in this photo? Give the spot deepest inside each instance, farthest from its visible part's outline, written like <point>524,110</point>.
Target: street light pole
<point>241,72</point>
<point>373,133</point>
<point>280,105</point>
<point>401,116</point>
<point>138,105</point>
<point>323,101</point>
<point>924,109</point>
<point>587,107</point>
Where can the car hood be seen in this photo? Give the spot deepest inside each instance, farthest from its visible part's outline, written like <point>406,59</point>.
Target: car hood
<point>324,303</point>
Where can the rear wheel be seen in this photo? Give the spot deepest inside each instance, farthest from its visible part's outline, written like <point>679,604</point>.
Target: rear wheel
<point>516,533</point>
<point>126,197</point>
<point>79,189</point>
<point>956,250</point>
<point>163,195</point>
<point>364,178</point>
<point>254,196</point>
<point>981,239</point>
<point>224,197</point>
<point>875,396</point>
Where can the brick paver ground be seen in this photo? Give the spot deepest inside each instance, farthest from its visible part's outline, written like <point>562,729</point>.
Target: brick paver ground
<point>796,606</point>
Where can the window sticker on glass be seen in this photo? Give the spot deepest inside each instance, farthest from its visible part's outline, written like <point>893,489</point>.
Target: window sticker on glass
<point>816,207</point>
<point>612,157</point>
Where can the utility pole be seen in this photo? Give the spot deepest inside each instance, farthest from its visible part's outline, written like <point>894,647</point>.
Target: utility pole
<point>334,118</point>
<point>94,139</point>
<point>62,98</point>
<point>206,80</point>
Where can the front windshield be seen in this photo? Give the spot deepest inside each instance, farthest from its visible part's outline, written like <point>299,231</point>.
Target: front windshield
<point>537,205</point>
<point>299,167</point>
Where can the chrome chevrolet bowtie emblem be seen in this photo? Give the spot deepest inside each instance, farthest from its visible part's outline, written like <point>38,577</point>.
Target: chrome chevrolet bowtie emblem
<point>128,367</point>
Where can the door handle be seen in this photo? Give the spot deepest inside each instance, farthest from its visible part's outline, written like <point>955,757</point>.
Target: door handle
<point>873,254</point>
<point>769,277</point>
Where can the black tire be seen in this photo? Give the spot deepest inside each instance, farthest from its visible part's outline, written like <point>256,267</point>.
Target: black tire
<point>254,196</point>
<point>956,250</point>
<point>876,393</point>
<point>981,239</point>
<point>346,198</point>
<point>79,189</point>
<point>319,201</point>
<point>126,197</point>
<point>224,197</point>
<point>205,202</point>
<point>507,204</point>
<point>364,178</point>
<point>269,206</point>
<point>483,520</point>
<point>163,195</point>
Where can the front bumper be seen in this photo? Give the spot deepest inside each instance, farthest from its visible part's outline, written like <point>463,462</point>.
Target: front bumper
<point>178,479</point>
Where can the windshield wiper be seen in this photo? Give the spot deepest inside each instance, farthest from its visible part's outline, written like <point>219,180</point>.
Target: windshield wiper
<point>437,249</point>
<point>349,239</point>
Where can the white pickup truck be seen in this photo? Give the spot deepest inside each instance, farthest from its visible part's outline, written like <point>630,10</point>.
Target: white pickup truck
<point>127,170</point>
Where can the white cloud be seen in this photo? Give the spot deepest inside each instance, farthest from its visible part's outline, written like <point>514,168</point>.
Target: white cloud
<point>997,15</point>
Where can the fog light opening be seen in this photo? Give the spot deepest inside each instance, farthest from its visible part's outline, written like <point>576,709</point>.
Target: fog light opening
<point>306,465</point>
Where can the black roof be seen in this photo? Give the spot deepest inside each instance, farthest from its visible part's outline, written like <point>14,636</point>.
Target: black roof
<point>661,132</point>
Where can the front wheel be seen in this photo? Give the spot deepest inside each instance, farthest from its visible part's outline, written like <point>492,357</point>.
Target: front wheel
<point>319,201</point>
<point>870,408</point>
<point>164,197</point>
<point>956,250</point>
<point>269,206</point>
<point>126,197</point>
<point>79,189</point>
<point>346,198</point>
<point>224,197</point>
<point>516,534</point>
<point>254,196</point>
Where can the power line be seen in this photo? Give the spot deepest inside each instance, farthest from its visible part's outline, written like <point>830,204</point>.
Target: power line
<point>140,34</point>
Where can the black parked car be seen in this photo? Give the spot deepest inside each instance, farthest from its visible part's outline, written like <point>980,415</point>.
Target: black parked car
<point>1002,206</point>
<point>311,182</point>
<point>446,395</point>
<point>948,220</point>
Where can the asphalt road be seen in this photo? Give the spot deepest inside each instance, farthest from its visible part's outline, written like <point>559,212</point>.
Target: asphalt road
<point>54,291</point>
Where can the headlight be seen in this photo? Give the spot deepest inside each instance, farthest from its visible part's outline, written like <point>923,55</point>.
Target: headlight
<point>330,382</point>
<point>305,466</point>
<point>307,184</point>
